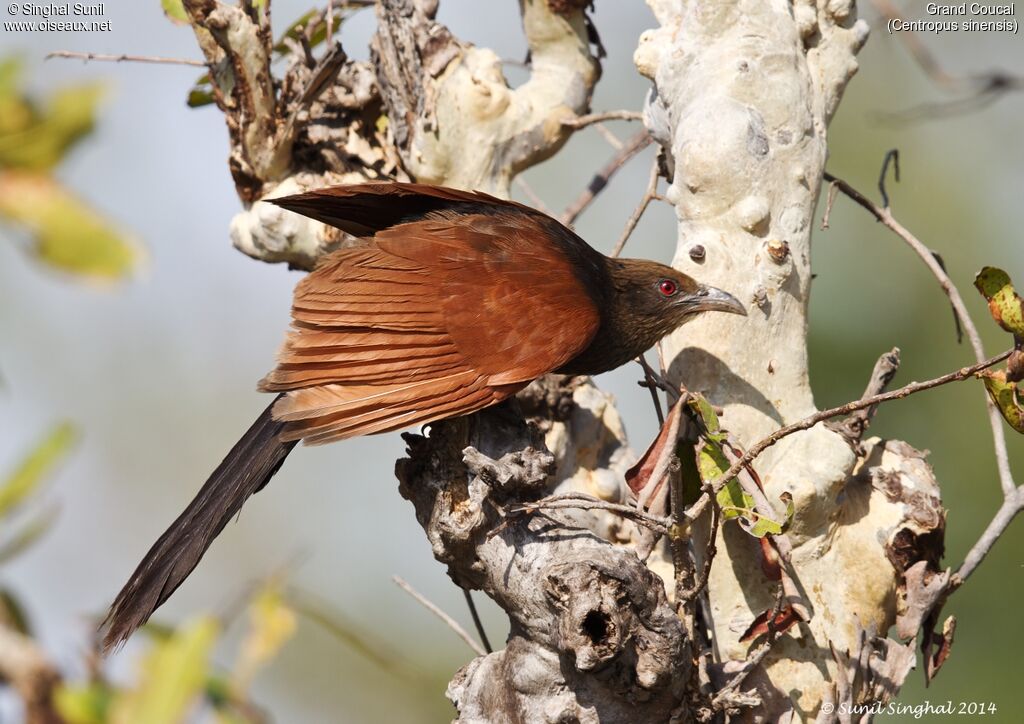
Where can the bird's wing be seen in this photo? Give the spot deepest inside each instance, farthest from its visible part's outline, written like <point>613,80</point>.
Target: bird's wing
<point>366,209</point>
<point>435,318</point>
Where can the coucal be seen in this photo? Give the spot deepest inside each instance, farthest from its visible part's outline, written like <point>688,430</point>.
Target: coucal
<point>451,302</point>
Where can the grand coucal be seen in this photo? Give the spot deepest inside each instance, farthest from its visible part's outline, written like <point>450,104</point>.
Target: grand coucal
<point>451,302</point>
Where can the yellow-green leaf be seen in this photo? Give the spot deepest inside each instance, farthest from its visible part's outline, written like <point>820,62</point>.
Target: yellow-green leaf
<point>25,478</point>
<point>15,112</point>
<point>1004,303</point>
<point>271,623</point>
<point>712,464</point>
<point>704,410</point>
<point>175,10</point>
<point>68,234</point>
<point>82,704</point>
<point>1007,396</point>
<point>174,675</point>
<point>760,526</point>
<point>42,142</point>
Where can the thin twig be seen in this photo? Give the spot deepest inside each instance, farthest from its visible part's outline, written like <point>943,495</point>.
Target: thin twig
<point>810,421</point>
<point>633,146</point>
<point>725,695</point>
<point>891,156</point>
<point>533,196</point>
<point>833,190</point>
<point>928,257</point>
<point>612,140</point>
<point>1012,505</point>
<point>650,382</point>
<point>580,501</point>
<point>434,609</point>
<point>584,121</point>
<point>476,621</point>
<point>649,193</point>
<point>854,426</point>
<point>709,557</point>
<point>123,58</point>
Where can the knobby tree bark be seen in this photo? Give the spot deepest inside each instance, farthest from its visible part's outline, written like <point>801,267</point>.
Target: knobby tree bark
<point>742,93</point>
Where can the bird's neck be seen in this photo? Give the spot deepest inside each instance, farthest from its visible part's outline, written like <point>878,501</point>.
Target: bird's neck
<point>624,333</point>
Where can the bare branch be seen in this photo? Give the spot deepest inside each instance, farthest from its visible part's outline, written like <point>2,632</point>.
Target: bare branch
<point>1012,505</point>
<point>123,58</point>
<point>535,199</point>
<point>476,621</point>
<point>853,427</point>
<point>650,193</point>
<point>584,121</point>
<point>936,268</point>
<point>436,610</point>
<point>581,501</point>
<point>913,388</point>
<point>633,146</point>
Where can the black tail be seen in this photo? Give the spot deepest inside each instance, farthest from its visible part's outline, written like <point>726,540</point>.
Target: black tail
<point>247,468</point>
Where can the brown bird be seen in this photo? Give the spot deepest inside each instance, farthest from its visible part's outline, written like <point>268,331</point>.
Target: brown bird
<point>451,302</point>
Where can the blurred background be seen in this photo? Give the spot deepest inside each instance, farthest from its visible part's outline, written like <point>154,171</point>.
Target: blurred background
<point>156,372</point>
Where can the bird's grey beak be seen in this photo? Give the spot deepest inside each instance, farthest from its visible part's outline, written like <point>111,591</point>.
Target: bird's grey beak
<point>711,299</point>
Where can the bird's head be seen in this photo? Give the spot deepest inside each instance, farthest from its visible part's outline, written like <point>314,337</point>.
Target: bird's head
<point>656,299</point>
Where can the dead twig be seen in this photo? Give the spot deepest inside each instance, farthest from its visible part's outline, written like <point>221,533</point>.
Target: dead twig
<point>854,426</point>
<point>584,121</point>
<point>808,422</point>
<point>650,193</point>
<point>1012,504</point>
<point>436,610</point>
<point>632,147</point>
<point>124,58</point>
<point>476,621</point>
<point>726,696</point>
<point>535,200</point>
<point>938,271</point>
<point>580,501</point>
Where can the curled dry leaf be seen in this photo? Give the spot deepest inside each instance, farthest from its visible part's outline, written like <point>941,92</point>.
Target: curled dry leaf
<point>781,622</point>
<point>1004,303</point>
<point>1007,396</point>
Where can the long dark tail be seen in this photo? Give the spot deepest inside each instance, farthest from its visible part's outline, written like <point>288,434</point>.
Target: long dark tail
<point>247,468</point>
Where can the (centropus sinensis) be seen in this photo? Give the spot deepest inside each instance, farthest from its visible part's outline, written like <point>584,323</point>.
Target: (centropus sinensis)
<point>452,302</point>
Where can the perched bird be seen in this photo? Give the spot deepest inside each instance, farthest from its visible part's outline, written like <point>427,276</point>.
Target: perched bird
<point>452,301</point>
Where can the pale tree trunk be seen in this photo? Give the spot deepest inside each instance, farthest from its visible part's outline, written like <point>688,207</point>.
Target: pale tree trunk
<point>744,91</point>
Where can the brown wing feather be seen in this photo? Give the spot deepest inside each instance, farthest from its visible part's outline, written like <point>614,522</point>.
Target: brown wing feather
<point>402,331</point>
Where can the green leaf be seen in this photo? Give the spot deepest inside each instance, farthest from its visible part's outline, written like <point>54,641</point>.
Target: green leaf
<point>706,412</point>
<point>41,142</point>
<point>68,234</point>
<point>83,704</point>
<point>733,501</point>
<point>1007,396</point>
<point>1005,305</point>
<point>712,464</point>
<point>26,478</point>
<point>174,674</point>
<point>760,525</point>
<point>175,10</point>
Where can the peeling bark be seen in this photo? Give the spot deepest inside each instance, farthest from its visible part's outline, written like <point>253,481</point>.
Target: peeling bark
<point>744,94</point>
<point>593,637</point>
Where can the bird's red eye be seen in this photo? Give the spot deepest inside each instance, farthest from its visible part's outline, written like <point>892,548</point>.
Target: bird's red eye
<point>667,287</point>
